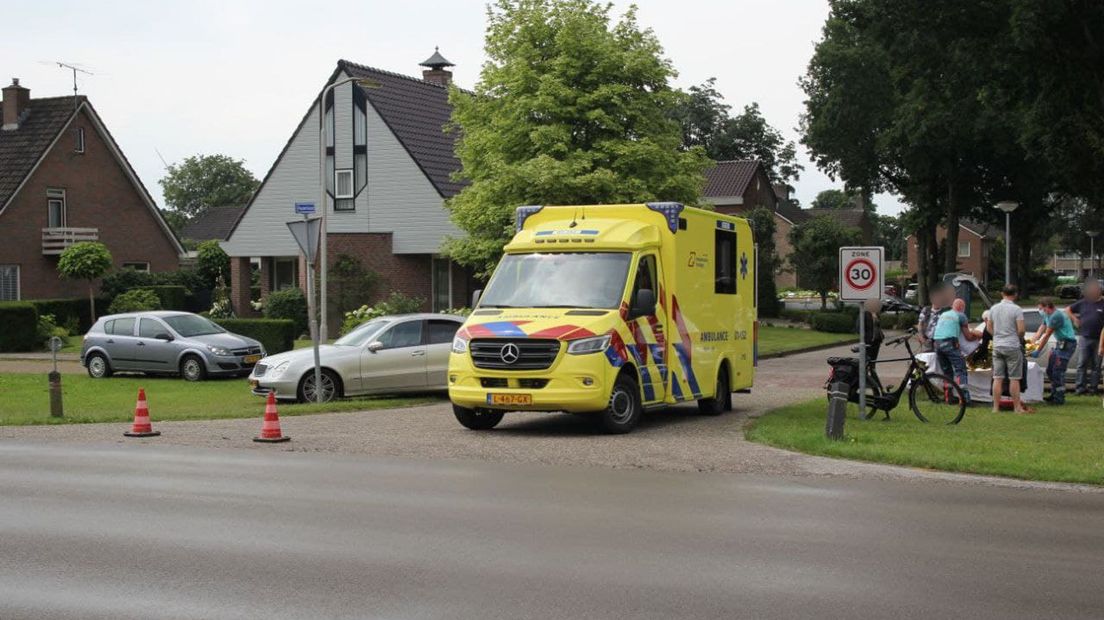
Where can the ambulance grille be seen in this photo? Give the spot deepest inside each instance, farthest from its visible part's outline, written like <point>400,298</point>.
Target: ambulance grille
<point>532,354</point>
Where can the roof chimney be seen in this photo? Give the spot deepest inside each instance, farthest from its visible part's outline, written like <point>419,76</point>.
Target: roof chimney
<point>17,101</point>
<point>436,71</point>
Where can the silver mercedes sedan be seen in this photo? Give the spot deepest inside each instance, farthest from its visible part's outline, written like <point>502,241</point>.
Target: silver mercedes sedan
<point>388,355</point>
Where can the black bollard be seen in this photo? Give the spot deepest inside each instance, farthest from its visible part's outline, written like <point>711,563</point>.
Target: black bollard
<point>837,410</point>
<point>55,394</point>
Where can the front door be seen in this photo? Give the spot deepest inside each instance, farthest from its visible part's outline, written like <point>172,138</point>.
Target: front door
<point>649,347</point>
<point>154,353</point>
<point>400,364</point>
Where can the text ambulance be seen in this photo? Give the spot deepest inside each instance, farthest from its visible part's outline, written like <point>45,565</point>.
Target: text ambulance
<point>610,310</point>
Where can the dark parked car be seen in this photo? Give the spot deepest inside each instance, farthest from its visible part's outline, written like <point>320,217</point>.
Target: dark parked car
<point>896,304</point>
<point>167,343</point>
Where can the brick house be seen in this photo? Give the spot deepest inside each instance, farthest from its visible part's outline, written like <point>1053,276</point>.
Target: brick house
<point>388,172</point>
<point>63,180</point>
<point>975,243</point>
<point>737,187</point>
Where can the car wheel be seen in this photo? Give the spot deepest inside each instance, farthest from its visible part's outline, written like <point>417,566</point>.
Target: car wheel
<point>192,369</point>
<point>331,387</point>
<point>624,410</point>
<point>721,400</point>
<point>98,367</point>
<point>477,419</point>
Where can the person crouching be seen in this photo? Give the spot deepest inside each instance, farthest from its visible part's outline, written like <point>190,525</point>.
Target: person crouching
<point>1060,326</point>
<point>952,326</point>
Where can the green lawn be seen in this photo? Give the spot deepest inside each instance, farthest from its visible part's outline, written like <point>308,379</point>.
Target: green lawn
<point>1064,444</point>
<point>773,339</point>
<point>24,399</point>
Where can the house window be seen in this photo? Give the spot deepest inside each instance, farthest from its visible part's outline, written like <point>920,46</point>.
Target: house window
<point>142,266</point>
<point>344,184</point>
<point>80,140</point>
<point>285,273</point>
<point>964,249</point>
<point>55,208</point>
<point>442,284</point>
<point>9,282</point>
<point>724,276</point>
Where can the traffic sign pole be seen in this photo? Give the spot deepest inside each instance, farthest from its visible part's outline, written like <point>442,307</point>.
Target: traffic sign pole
<point>861,278</point>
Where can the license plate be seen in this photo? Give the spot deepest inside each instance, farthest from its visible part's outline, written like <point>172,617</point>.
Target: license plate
<point>509,399</point>
<point>251,359</point>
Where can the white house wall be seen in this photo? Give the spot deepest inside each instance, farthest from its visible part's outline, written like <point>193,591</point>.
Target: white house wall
<point>398,199</point>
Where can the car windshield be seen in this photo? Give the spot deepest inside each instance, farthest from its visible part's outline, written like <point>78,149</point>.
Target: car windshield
<point>363,334</point>
<point>559,280</point>
<point>188,325</point>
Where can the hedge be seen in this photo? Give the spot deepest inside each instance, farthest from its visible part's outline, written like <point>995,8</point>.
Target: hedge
<point>20,321</point>
<point>835,322</point>
<point>277,335</point>
<point>68,311</point>
<point>172,296</point>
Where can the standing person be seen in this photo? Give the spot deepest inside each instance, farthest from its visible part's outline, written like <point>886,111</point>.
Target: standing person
<point>1060,326</point>
<point>1088,316</point>
<point>952,326</point>
<point>929,315</point>
<point>1006,323</point>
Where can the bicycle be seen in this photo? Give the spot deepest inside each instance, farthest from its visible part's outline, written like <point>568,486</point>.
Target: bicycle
<point>933,397</point>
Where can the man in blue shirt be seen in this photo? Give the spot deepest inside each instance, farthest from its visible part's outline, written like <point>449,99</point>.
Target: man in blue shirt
<point>952,325</point>
<point>1060,326</point>
<point>1088,316</point>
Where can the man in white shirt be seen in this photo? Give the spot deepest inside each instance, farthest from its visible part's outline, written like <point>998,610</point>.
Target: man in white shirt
<point>1006,324</point>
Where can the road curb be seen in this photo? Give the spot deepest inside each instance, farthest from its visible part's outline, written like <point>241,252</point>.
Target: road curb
<point>812,349</point>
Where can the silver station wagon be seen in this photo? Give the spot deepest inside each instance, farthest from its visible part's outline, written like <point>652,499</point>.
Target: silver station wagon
<point>167,343</point>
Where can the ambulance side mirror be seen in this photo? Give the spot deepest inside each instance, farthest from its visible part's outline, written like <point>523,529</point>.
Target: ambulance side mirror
<point>475,297</point>
<point>645,303</point>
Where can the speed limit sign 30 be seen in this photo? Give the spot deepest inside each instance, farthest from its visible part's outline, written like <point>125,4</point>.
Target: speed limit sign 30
<point>861,274</point>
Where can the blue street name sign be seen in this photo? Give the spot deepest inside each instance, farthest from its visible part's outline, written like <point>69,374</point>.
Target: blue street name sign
<point>304,208</point>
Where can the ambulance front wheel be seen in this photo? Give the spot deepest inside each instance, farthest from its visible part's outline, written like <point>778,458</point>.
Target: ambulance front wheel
<point>623,412</point>
<point>722,397</point>
<point>477,419</point>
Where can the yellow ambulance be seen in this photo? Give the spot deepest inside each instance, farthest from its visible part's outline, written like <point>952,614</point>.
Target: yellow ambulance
<point>610,310</point>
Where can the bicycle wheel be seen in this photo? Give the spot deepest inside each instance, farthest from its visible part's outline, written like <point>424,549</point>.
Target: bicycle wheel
<point>873,395</point>
<point>937,399</point>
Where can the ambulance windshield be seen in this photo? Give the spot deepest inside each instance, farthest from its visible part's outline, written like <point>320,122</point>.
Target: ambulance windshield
<point>558,280</point>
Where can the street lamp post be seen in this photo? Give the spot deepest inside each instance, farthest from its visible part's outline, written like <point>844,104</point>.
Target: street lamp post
<point>322,247</point>
<point>1008,207</point>
<point>1092,252</point>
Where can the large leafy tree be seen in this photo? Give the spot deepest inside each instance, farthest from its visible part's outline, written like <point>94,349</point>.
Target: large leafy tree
<point>767,261</point>
<point>87,260</point>
<point>707,122</point>
<point>571,107</point>
<point>815,255</point>
<point>203,181</point>
<point>833,199</point>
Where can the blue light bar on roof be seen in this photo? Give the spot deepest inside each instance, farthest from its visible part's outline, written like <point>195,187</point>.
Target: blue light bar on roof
<point>670,210</point>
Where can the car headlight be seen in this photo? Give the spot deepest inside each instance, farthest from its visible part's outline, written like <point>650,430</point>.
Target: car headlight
<point>459,345</point>
<point>588,345</point>
<point>278,369</point>
<point>218,350</point>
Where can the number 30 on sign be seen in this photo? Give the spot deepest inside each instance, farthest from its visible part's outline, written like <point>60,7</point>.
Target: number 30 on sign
<point>861,275</point>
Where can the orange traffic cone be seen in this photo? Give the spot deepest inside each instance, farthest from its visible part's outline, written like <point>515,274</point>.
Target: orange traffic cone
<point>142,426</point>
<point>270,428</point>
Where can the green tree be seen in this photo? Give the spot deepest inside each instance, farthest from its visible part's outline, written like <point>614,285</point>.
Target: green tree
<point>815,256</point>
<point>833,199</point>
<point>87,260</point>
<point>767,261</point>
<point>706,122</point>
<point>570,108</point>
<point>137,300</point>
<point>212,263</point>
<point>890,234</point>
<point>175,219</point>
<point>203,181</point>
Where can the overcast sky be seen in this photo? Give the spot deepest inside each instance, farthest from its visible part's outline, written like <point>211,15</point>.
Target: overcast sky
<point>236,76</point>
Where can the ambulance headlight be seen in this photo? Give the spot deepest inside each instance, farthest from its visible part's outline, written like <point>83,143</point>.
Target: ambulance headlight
<point>588,345</point>
<point>459,345</point>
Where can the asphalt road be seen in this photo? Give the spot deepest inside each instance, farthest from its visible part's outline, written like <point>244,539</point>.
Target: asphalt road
<point>148,531</point>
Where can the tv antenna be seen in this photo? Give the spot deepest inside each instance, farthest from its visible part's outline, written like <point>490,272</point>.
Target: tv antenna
<point>75,69</point>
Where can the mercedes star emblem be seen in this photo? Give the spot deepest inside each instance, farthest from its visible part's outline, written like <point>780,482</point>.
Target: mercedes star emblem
<point>509,353</point>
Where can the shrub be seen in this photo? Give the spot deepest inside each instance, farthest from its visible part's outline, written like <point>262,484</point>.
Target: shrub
<point>48,328</point>
<point>74,314</point>
<point>906,320</point>
<point>212,263</point>
<point>138,300</point>
<point>835,322</point>
<point>171,296</point>
<point>288,304</point>
<point>799,316</point>
<point>457,311</point>
<point>396,303</point>
<point>277,335</point>
<point>20,331</point>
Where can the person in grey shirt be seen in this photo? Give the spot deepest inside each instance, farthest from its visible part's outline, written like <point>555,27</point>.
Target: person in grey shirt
<point>1006,324</point>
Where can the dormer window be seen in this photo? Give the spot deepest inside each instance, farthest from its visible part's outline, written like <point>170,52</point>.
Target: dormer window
<point>80,140</point>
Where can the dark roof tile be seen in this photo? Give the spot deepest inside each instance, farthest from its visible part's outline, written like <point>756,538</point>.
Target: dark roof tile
<point>215,223</point>
<point>20,149</point>
<point>851,218</point>
<point>729,178</point>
